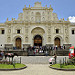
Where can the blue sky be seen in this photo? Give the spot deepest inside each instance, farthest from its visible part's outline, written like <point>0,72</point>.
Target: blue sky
<point>11,8</point>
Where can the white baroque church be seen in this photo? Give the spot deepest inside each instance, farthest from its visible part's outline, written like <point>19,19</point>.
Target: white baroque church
<point>37,26</point>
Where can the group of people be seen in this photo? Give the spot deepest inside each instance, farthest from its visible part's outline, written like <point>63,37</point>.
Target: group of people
<point>45,48</point>
<point>60,47</point>
<point>37,49</point>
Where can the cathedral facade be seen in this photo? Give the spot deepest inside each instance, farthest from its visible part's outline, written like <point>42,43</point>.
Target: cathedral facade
<point>37,26</point>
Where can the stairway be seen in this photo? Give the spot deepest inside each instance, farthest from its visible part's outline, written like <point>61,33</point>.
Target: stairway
<point>62,52</point>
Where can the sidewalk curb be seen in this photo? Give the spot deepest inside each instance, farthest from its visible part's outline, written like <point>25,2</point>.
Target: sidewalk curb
<point>61,69</point>
<point>13,69</point>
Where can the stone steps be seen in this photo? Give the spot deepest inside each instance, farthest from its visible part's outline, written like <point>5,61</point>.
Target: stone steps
<point>62,52</point>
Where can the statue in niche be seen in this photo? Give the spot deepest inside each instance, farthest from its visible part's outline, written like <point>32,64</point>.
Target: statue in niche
<point>43,19</point>
<point>9,31</point>
<point>66,38</point>
<point>32,19</point>
<point>49,39</point>
<point>8,39</point>
<point>26,39</point>
<point>66,31</point>
<point>49,31</point>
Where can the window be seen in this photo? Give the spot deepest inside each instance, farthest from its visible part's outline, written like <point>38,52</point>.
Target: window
<point>18,31</point>
<point>72,31</point>
<point>2,32</point>
<point>57,30</point>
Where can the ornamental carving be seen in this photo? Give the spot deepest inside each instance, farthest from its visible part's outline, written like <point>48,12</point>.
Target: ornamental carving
<point>38,30</point>
<point>57,26</point>
<point>26,30</point>
<point>66,30</point>
<point>18,27</point>
<point>49,30</point>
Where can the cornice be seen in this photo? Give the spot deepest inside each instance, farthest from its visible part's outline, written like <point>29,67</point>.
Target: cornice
<point>42,22</point>
<point>33,8</point>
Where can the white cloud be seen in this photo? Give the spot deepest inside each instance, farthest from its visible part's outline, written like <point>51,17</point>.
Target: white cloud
<point>71,19</point>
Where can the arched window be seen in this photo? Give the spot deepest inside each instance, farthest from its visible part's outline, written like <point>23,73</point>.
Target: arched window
<point>38,17</point>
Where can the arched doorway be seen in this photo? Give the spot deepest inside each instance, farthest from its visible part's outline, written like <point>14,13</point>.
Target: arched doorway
<point>18,43</point>
<point>38,31</point>
<point>57,41</point>
<point>37,40</point>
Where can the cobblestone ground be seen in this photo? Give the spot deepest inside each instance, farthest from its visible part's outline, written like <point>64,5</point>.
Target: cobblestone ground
<point>36,67</point>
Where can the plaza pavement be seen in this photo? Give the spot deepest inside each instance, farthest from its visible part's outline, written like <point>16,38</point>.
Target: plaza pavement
<point>37,68</point>
<point>38,59</point>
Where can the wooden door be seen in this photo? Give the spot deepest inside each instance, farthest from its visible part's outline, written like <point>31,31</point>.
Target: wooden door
<point>18,43</point>
<point>37,40</point>
<point>57,42</point>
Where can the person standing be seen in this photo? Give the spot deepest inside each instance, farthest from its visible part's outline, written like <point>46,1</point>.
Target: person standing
<point>55,57</point>
<point>2,53</point>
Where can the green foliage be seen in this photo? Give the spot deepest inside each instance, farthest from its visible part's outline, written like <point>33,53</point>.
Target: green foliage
<point>64,66</point>
<point>67,64</point>
<point>56,65</point>
<point>72,61</point>
<point>6,66</point>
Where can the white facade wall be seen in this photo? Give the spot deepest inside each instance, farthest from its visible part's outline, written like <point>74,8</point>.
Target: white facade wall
<point>45,25</point>
<point>72,36</point>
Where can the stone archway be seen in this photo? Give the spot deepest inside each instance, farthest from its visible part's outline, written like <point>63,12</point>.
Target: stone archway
<point>38,34</point>
<point>57,42</point>
<point>18,43</point>
<point>37,40</point>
